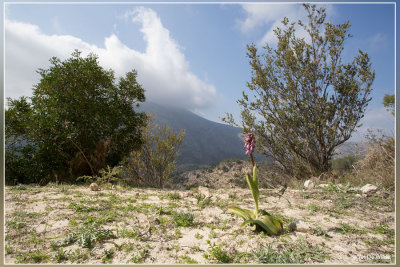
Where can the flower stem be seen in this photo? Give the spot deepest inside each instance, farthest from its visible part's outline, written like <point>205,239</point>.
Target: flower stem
<point>252,159</point>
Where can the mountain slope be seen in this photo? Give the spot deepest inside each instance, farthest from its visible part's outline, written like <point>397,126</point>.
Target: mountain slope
<point>205,142</point>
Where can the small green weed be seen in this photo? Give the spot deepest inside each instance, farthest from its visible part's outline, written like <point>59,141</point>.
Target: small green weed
<point>188,260</point>
<point>173,196</point>
<point>61,255</point>
<point>108,255</point>
<point>16,223</point>
<point>139,257</point>
<point>9,250</point>
<point>88,235</point>
<point>33,257</point>
<point>348,229</point>
<point>205,202</point>
<point>314,208</point>
<point>183,219</point>
<point>199,197</point>
<point>77,256</point>
<point>216,254</point>
<point>233,196</point>
<point>212,234</point>
<point>298,252</point>
<point>384,230</point>
<point>127,233</point>
<point>198,236</point>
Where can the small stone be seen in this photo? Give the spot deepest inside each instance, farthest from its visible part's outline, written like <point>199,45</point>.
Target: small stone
<point>292,226</point>
<point>369,189</point>
<point>93,187</point>
<point>299,226</point>
<point>357,196</point>
<point>302,226</point>
<point>204,191</point>
<point>308,184</point>
<point>323,185</point>
<point>339,248</point>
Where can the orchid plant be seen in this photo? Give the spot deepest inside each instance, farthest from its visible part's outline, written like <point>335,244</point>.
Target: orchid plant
<point>260,218</point>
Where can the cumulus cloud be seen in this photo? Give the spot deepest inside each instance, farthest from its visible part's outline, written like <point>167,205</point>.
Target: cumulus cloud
<point>270,16</point>
<point>162,68</point>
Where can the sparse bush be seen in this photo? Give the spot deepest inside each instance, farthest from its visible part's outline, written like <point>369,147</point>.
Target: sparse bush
<point>377,167</point>
<point>106,176</point>
<point>303,100</point>
<point>155,162</point>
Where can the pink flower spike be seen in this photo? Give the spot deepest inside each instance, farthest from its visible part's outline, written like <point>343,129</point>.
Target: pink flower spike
<point>249,143</point>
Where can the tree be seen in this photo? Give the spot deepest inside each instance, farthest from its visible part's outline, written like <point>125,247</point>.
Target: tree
<point>154,163</point>
<point>388,103</point>
<point>305,100</point>
<point>78,121</point>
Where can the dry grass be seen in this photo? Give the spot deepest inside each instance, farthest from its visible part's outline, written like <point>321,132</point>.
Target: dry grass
<point>71,224</point>
<point>377,167</point>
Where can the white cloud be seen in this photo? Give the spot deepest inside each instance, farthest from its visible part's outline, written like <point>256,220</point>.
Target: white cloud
<point>269,16</point>
<point>258,15</point>
<point>162,68</point>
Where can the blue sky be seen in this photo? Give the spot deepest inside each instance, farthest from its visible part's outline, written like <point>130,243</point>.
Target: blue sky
<point>189,55</point>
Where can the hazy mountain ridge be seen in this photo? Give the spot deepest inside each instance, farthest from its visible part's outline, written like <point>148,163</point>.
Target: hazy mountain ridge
<point>207,142</point>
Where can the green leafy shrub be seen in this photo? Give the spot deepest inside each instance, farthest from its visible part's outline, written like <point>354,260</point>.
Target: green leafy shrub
<point>78,121</point>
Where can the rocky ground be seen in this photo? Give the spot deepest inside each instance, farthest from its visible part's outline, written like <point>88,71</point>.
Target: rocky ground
<point>72,224</point>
